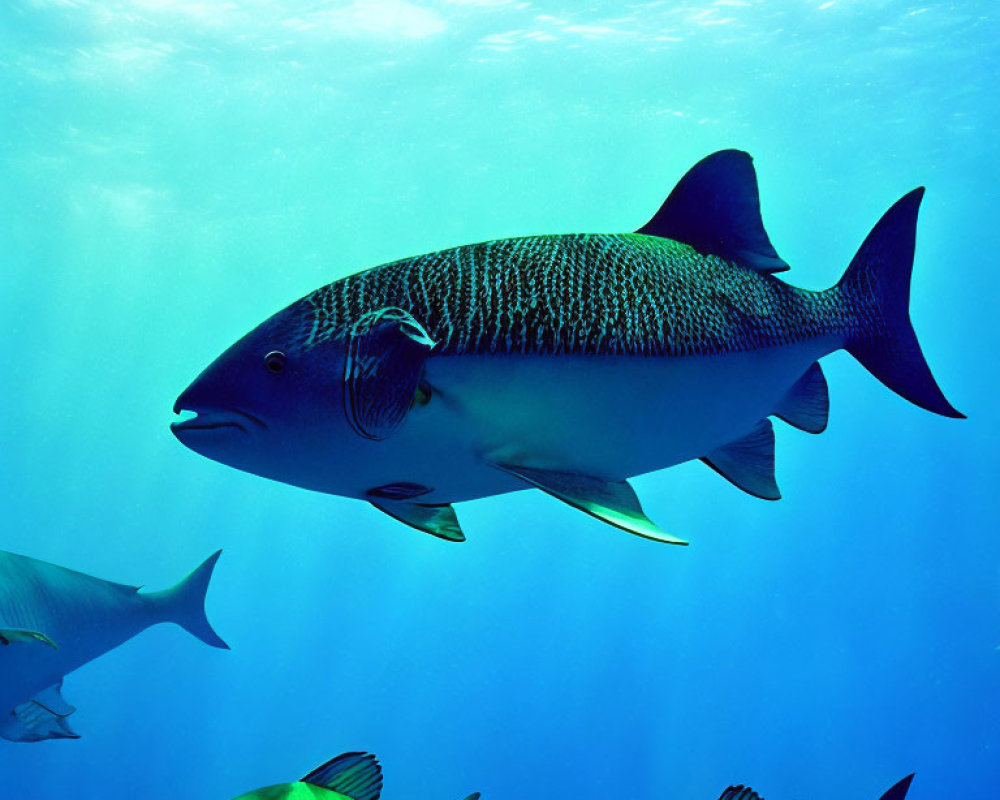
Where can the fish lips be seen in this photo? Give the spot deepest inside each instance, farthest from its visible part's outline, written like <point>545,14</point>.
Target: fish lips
<point>213,422</point>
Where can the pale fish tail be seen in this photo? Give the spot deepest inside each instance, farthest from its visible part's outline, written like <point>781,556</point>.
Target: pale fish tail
<point>184,604</point>
<point>874,300</point>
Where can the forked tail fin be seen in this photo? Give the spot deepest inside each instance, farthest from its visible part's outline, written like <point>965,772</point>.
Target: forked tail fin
<point>876,297</point>
<point>184,604</point>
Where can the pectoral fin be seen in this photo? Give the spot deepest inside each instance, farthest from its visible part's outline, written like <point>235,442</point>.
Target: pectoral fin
<point>11,635</point>
<point>807,403</point>
<point>748,463</point>
<point>382,371</point>
<point>437,520</point>
<point>354,775</point>
<point>611,502</point>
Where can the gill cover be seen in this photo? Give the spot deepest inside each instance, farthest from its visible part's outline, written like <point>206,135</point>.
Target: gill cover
<point>386,350</point>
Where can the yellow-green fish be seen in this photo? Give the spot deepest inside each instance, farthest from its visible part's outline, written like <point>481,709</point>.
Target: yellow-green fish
<point>351,776</point>
<point>565,363</point>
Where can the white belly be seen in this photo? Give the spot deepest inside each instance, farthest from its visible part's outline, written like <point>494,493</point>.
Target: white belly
<point>611,417</point>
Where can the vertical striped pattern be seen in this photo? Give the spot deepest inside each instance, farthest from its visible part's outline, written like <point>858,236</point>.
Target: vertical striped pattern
<point>581,294</point>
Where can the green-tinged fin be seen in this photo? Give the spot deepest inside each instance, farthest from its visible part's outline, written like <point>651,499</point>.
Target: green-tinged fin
<point>354,775</point>
<point>51,699</point>
<point>11,635</point>
<point>740,793</point>
<point>437,520</point>
<point>748,463</point>
<point>899,790</point>
<point>34,722</point>
<point>807,404</point>
<point>611,502</point>
<point>875,297</point>
<point>715,208</point>
<point>382,371</point>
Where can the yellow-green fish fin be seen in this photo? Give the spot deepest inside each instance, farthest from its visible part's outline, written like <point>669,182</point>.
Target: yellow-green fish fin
<point>613,502</point>
<point>437,520</point>
<point>11,635</point>
<point>354,775</point>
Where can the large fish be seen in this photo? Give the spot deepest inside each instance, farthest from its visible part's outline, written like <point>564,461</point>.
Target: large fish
<point>351,776</point>
<point>567,363</point>
<point>54,620</point>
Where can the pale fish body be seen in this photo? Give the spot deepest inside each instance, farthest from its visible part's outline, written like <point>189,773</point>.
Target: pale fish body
<point>566,363</point>
<point>351,776</point>
<point>54,620</point>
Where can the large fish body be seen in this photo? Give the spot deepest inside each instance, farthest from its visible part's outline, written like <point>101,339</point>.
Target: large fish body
<point>568,363</point>
<point>54,620</point>
<point>351,776</point>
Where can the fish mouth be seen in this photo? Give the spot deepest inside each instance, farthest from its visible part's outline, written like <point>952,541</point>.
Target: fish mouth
<point>214,419</point>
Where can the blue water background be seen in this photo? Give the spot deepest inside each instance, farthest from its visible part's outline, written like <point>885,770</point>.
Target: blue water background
<point>171,173</point>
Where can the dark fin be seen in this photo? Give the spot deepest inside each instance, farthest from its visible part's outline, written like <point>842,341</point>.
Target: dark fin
<point>474,796</point>
<point>33,722</point>
<point>807,404</point>
<point>382,371</point>
<point>11,635</point>
<point>354,775</point>
<point>184,604</point>
<point>437,520</point>
<point>740,793</point>
<point>614,503</point>
<point>715,208</point>
<point>403,490</point>
<point>748,463</point>
<point>898,792</point>
<point>876,294</point>
<point>51,700</point>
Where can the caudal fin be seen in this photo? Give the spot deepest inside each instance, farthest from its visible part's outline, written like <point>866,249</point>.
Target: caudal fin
<point>184,604</point>
<point>876,295</point>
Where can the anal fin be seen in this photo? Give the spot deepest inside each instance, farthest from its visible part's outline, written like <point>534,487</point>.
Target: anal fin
<point>611,502</point>
<point>748,463</point>
<point>807,404</point>
<point>43,717</point>
<point>437,520</point>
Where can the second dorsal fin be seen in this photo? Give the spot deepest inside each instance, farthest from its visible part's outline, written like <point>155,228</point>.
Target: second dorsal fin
<point>715,208</point>
<point>354,775</point>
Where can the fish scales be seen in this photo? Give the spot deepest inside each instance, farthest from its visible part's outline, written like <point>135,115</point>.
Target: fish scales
<point>626,294</point>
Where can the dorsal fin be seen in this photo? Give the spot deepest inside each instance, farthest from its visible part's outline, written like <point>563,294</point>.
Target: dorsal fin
<point>740,793</point>
<point>807,404</point>
<point>899,790</point>
<point>748,463</point>
<point>715,208</point>
<point>354,775</point>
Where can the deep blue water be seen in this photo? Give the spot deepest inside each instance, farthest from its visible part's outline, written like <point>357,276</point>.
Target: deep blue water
<point>173,172</point>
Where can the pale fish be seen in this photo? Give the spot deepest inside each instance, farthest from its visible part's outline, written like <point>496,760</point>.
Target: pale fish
<point>567,363</point>
<point>54,620</point>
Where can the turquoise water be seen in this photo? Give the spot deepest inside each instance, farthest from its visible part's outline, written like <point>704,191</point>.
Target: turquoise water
<point>175,172</point>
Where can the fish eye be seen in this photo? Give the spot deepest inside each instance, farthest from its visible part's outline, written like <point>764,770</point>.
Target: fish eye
<point>274,361</point>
